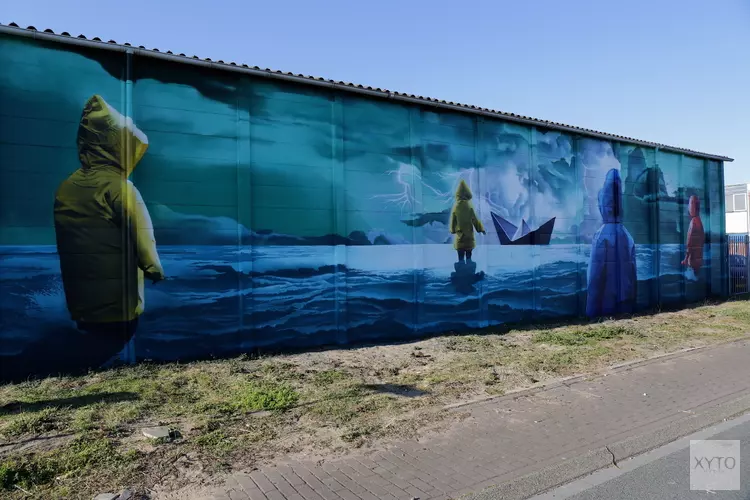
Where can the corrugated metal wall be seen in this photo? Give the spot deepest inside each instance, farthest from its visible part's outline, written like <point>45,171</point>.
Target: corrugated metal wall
<point>288,216</point>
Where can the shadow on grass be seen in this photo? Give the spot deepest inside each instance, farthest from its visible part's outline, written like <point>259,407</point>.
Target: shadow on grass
<point>358,391</point>
<point>35,439</point>
<point>407,391</point>
<point>71,402</point>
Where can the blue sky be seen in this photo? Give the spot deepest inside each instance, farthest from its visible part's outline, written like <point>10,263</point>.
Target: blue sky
<point>670,71</point>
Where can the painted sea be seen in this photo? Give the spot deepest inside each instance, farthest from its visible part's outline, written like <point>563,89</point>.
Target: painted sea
<point>223,300</point>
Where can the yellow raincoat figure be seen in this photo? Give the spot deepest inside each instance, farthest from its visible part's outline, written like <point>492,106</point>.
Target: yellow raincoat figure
<point>463,222</point>
<point>105,237</point>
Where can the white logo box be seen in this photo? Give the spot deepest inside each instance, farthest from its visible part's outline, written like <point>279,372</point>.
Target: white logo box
<point>715,465</point>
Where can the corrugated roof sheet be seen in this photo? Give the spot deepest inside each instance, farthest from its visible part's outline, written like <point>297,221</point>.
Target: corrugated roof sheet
<point>66,37</point>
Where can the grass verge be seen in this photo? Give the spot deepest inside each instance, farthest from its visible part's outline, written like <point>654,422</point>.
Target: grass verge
<point>73,437</point>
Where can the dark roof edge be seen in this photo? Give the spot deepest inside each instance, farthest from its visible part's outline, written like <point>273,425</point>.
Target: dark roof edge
<point>81,40</point>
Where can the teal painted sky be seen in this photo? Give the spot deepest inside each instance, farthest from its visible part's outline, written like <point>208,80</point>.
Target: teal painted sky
<point>300,153</point>
<point>671,71</point>
<point>389,163</point>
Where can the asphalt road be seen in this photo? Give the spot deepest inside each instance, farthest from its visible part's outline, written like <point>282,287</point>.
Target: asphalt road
<point>662,474</point>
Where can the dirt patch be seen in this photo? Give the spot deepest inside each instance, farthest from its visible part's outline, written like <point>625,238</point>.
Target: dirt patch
<point>82,435</point>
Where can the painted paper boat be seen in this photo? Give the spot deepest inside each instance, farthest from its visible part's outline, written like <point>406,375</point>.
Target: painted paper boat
<point>509,234</point>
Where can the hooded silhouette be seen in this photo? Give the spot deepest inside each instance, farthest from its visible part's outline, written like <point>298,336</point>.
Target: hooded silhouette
<point>612,277</point>
<point>105,237</point>
<point>463,222</point>
<point>696,237</point>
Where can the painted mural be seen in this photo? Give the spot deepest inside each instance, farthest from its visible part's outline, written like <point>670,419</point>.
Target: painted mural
<point>154,211</point>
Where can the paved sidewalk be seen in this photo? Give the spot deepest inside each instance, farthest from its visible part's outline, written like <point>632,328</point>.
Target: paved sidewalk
<point>511,436</point>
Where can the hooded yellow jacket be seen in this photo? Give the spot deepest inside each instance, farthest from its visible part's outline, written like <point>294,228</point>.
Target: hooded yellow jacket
<point>105,237</point>
<point>464,220</point>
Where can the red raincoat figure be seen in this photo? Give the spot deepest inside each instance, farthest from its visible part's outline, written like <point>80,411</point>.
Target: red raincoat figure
<point>696,237</point>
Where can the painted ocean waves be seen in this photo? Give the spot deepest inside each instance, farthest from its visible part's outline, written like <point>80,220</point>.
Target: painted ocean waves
<point>224,300</point>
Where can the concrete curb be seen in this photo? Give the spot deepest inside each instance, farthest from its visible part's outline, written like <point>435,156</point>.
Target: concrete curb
<point>620,367</point>
<point>572,469</point>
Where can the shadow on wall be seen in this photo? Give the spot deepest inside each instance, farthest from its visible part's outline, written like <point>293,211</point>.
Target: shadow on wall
<point>43,358</point>
<point>59,351</point>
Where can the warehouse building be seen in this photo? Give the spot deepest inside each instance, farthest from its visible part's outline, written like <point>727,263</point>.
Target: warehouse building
<point>170,207</point>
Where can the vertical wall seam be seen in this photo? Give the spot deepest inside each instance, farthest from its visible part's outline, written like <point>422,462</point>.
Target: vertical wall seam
<point>338,193</point>
<point>245,213</point>
<point>579,174</point>
<point>657,211</point>
<point>481,175</point>
<point>534,250</point>
<point>706,204</point>
<point>238,253</point>
<point>624,218</point>
<point>681,225</point>
<point>416,118</point>
<point>418,242</point>
<point>129,353</point>
<point>251,215</point>
<point>653,235</point>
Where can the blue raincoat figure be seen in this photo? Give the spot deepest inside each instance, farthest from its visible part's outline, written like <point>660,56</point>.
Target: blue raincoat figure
<point>612,278</point>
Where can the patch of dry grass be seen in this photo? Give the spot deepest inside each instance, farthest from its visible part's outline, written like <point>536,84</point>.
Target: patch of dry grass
<point>69,436</point>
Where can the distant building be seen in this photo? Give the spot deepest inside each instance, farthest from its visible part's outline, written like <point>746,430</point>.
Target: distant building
<point>738,215</point>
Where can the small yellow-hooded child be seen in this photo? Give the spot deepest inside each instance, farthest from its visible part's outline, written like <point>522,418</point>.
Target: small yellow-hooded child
<point>463,222</point>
